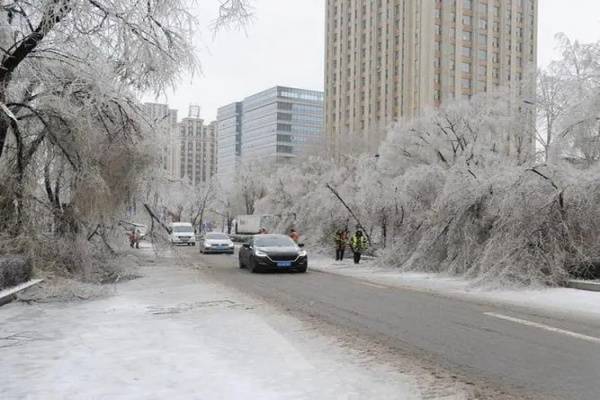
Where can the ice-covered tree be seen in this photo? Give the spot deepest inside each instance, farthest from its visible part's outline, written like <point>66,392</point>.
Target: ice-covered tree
<point>73,139</point>
<point>569,102</point>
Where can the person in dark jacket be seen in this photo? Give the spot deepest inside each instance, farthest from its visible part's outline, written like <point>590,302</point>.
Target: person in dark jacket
<point>358,244</point>
<point>341,241</point>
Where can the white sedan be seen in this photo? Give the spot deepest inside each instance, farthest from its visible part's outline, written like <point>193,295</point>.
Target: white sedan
<point>215,242</point>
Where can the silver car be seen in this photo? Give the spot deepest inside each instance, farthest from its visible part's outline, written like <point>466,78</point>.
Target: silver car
<point>216,242</point>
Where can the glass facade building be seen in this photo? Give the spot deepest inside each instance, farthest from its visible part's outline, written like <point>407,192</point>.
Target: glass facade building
<point>278,124</point>
<point>229,128</point>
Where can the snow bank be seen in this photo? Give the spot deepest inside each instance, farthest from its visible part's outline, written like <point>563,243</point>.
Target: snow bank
<point>556,301</point>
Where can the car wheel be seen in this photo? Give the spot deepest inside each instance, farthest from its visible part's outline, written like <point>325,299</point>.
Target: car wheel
<point>303,270</point>
<point>253,267</point>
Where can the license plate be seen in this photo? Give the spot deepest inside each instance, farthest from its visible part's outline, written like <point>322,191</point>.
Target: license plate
<point>284,264</point>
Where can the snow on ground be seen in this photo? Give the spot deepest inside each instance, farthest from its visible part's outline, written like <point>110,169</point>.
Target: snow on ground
<point>558,301</point>
<point>171,335</point>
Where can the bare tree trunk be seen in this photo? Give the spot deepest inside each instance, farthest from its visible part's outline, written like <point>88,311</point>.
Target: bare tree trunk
<point>4,125</point>
<point>384,229</point>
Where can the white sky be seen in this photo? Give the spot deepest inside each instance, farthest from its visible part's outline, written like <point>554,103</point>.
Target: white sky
<point>284,45</point>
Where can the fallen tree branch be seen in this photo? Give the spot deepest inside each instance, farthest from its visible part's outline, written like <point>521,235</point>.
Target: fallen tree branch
<point>155,218</point>
<point>360,225</point>
<point>561,200</point>
<point>535,171</point>
<point>94,233</point>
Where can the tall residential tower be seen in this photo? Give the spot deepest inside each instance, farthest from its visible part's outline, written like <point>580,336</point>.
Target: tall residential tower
<point>197,150</point>
<point>388,59</point>
<point>164,120</point>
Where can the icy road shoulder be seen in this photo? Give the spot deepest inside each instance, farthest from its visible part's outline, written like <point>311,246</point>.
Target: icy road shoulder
<point>172,335</point>
<point>559,302</point>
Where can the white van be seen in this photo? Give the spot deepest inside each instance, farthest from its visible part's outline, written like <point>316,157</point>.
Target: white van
<point>182,233</point>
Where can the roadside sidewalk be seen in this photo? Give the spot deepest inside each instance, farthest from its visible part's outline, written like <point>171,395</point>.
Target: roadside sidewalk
<point>560,302</point>
<point>173,335</point>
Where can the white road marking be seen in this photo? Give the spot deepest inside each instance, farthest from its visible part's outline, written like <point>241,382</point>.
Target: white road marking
<point>576,335</point>
<point>373,285</point>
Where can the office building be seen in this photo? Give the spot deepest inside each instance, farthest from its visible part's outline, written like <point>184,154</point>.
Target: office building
<point>281,122</point>
<point>389,59</point>
<point>229,152</point>
<point>277,124</point>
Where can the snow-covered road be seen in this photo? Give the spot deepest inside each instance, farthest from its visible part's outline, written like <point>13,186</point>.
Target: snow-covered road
<point>173,335</point>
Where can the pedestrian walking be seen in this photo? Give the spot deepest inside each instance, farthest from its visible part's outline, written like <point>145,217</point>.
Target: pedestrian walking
<point>341,241</point>
<point>358,244</point>
<point>134,238</point>
<point>294,235</point>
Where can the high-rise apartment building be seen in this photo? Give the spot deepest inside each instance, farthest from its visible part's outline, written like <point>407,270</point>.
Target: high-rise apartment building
<point>388,59</point>
<point>277,124</point>
<point>164,121</point>
<point>197,150</point>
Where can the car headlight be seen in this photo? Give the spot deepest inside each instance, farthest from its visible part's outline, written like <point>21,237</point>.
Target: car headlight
<point>259,253</point>
<point>207,244</point>
<point>302,253</point>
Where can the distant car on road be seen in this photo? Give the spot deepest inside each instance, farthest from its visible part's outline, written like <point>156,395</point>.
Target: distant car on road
<point>182,233</point>
<point>273,253</point>
<point>216,242</point>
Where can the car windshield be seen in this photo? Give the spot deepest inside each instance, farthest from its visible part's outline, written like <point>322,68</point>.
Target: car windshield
<point>183,229</point>
<point>217,236</point>
<point>273,241</point>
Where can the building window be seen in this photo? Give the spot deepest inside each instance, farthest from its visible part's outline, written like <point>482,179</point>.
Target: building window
<point>284,116</point>
<point>284,138</point>
<point>284,149</point>
<point>284,127</point>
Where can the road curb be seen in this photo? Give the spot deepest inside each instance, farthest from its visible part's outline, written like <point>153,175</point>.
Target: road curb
<point>591,286</point>
<point>8,295</point>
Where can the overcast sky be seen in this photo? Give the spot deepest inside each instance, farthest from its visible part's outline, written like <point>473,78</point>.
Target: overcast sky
<point>284,45</point>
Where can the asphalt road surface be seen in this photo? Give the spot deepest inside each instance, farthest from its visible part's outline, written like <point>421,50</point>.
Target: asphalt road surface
<point>551,357</point>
